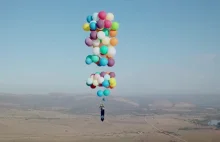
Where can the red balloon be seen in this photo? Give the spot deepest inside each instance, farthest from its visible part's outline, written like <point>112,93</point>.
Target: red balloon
<point>100,85</point>
<point>92,86</point>
<point>102,15</point>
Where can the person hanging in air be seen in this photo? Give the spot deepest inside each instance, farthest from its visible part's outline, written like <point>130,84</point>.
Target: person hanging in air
<point>102,109</point>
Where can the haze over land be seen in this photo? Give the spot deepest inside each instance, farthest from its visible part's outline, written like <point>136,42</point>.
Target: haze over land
<point>68,117</point>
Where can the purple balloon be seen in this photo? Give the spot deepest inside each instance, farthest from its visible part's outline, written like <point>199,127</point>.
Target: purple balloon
<point>102,74</point>
<point>100,24</point>
<point>88,41</point>
<point>93,35</point>
<point>112,74</point>
<point>111,62</point>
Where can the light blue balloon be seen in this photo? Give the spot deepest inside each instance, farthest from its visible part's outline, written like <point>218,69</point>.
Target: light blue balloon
<point>93,26</point>
<point>106,92</point>
<point>89,18</point>
<point>105,83</point>
<point>88,61</point>
<point>103,61</point>
<point>100,93</point>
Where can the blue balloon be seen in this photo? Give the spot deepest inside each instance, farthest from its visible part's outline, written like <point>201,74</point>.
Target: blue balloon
<point>100,93</point>
<point>93,26</point>
<point>88,61</point>
<point>106,92</point>
<point>89,19</point>
<point>103,61</point>
<point>105,83</point>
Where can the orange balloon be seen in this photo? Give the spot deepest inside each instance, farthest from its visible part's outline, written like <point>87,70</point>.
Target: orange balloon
<point>107,72</point>
<point>113,33</point>
<point>111,87</point>
<point>113,41</point>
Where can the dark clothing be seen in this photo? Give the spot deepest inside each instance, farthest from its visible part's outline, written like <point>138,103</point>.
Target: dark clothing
<point>102,114</point>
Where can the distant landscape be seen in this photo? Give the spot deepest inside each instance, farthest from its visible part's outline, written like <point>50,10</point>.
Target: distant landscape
<point>140,118</point>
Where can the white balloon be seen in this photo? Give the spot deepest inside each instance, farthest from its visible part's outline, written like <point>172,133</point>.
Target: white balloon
<point>106,40</point>
<point>96,50</point>
<point>95,16</point>
<point>96,43</point>
<point>111,51</point>
<point>95,82</point>
<point>97,76</point>
<point>107,77</point>
<point>110,17</point>
<point>101,35</point>
<point>100,80</point>
<point>92,76</point>
<point>89,81</point>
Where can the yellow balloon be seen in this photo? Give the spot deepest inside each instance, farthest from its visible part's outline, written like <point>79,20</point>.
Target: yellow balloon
<point>112,80</point>
<point>86,27</point>
<point>113,85</point>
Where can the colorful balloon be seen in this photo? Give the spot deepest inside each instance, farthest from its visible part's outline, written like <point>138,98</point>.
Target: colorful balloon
<point>93,35</point>
<point>107,24</point>
<point>95,83</point>
<point>106,31</point>
<point>88,61</point>
<point>103,61</point>
<point>103,50</point>
<point>113,41</point>
<point>102,74</point>
<point>112,74</point>
<point>86,27</point>
<point>105,83</point>
<point>96,51</point>
<point>113,33</point>
<point>100,24</point>
<point>96,43</point>
<point>110,17</point>
<point>115,26</point>
<point>95,17</point>
<point>111,62</point>
<point>100,93</point>
<point>92,86</point>
<point>95,58</point>
<point>89,19</point>
<point>102,15</point>
<point>88,41</point>
<point>101,35</point>
<point>111,52</point>
<point>100,80</point>
<point>93,26</point>
<point>107,77</point>
<point>89,81</point>
<point>106,40</point>
<point>106,92</point>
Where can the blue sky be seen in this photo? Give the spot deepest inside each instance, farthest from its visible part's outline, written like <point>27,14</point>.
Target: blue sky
<point>165,47</point>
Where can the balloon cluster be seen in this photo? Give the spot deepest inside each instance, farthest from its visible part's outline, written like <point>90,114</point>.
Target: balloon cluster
<point>102,39</point>
<point>103,79</point>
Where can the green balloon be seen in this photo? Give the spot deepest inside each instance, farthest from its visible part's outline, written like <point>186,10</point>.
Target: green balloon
<point>115,26</point>
<point>106,31</point>
<point>104,50</point>
<point>95,58</point>
<point>89,56</point>
<point>97,73</point>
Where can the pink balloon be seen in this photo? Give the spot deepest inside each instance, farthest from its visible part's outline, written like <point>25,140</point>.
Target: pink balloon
<point>107,24</point>
<point>102,15</point>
